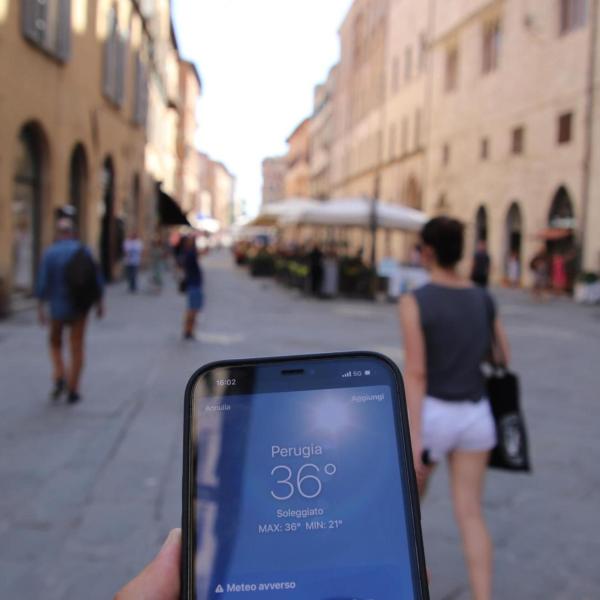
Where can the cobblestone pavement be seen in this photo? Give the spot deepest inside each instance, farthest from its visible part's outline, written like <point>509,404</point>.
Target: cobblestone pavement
<point>87,493</point>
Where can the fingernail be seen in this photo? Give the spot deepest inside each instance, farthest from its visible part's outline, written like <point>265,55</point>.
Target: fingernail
<point>171,539</point>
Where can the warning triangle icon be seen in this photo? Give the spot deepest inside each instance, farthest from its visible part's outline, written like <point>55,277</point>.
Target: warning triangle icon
<point>219,589</point>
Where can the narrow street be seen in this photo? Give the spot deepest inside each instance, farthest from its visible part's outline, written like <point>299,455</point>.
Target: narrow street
<point>89,492</point>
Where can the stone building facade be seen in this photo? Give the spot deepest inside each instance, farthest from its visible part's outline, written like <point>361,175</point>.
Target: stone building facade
<point>359,100</point>
<point>223,195</point>
<point>72,112</point>
<point>217,192</point>
<point>511,95</point>
<point>274,169</point>
<point>187,189</point>
<point>93,114</point>
<point>162,125</point>
<point>321,135</point>
<point>297,176</point>
<point>484,109</point>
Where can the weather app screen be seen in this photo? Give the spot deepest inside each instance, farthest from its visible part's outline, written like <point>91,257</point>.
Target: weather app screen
<point>299,496</point>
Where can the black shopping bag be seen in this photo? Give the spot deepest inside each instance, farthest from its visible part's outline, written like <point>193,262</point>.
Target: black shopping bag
<point>511,452</point>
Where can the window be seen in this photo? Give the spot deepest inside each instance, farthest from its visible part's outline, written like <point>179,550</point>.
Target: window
<point>395,74</point>
<point>407,63</point>
<point>518,140</point>
<point>565,126</point>
<point>47,24</point>
<point>422,52</point>
<point>113,77</point>
<point>451,80</point>
<point>140,99</point>
<point>492,41</point>
<point>446,154</point>
<point>573,15</point>
<point>417,128</point>
<point>392,142</point>
<point>404,141</point>
<point>484,149</point>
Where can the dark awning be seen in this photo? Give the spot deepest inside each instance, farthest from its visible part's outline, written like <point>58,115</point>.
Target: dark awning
<point>554,233</point>
<point>169,212</point>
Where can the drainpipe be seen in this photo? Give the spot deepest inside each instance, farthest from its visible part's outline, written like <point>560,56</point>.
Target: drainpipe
<point>589,127</point>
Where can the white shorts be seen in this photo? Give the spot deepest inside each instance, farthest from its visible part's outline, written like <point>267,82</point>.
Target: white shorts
<point>451,426</point>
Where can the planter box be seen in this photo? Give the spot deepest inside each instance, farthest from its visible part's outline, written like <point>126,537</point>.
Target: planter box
<point>587,293</point>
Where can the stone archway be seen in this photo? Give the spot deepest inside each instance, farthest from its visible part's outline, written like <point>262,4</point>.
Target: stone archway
<point>513,244</point>
<point>561,244</point>
<point>108,233</point>
<point>28,206</point>
<point>561,214</point>
<point>481,224</point>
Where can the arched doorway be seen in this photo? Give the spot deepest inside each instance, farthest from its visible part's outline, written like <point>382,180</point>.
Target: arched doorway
<point>513,244</point>
<point>78,185</point>
<point>132,208</point>
<point>561,241</point>
<point>561,214</point>
<point>481,225</point>
<point>108,237</point>
<point>27,207</point>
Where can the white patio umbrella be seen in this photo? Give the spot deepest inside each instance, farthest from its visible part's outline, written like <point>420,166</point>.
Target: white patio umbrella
<point>357,212</point>
<point>276,212</point>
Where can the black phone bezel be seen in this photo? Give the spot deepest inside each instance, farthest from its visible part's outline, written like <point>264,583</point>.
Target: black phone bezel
<point>401,416</point>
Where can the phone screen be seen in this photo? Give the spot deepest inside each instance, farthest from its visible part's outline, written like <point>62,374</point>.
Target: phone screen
<point>298,487</point>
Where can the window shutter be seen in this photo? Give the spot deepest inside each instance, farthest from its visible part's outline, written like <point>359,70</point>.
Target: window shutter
<point>34,20</point>
<point>119,86</point>
<point>140,107</point>
<point>144,101</point>
<point>107,70</point>
<point>63,45</point>
<point>136,106</point>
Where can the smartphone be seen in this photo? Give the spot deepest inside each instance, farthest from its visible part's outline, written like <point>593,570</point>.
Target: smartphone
<point>298,482</point>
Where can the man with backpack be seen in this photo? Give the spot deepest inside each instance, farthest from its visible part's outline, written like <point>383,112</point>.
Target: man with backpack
<point>70,282</point>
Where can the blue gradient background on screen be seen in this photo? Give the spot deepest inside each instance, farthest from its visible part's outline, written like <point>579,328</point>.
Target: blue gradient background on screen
<point>368,555</point>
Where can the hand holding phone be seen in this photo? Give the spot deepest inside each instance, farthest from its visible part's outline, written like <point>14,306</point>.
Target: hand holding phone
<point>298,482</point>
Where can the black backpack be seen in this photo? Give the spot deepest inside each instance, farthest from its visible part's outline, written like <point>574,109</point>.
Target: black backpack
<point>82,280</point>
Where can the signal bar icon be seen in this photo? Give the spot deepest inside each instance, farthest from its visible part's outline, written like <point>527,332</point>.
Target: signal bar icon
<point>347,374</point>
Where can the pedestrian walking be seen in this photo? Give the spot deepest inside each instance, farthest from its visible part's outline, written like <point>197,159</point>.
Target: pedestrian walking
<point>133,248</point>
<point>315,261</point>
<point>480,270</point>
<point>447,329</point>
<point>192,284</point>
<point>69,281</point>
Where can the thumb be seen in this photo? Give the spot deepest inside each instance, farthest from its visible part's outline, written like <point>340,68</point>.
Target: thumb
<point>160,579</point>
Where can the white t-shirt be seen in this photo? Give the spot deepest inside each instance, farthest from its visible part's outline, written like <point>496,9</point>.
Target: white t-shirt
<point>133,252</point>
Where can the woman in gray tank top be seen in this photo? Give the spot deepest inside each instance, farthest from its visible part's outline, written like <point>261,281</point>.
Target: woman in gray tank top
<point>447,329</point>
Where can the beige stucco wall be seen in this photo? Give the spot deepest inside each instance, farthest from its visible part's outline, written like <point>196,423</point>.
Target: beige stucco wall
<point>540,75</point>
<point>297,176</point>
<point>66,104</point>
<point>273,171</point>
<point>591,256</point>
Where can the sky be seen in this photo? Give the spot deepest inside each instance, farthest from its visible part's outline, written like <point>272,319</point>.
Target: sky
<point>259,61</point>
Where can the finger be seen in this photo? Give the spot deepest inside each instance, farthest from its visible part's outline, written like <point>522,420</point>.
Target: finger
<point>160,579</point>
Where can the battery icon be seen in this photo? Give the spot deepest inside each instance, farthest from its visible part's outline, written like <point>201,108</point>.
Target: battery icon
<point>367,372</point>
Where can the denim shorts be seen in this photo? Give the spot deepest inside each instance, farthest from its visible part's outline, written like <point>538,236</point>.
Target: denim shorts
<point>195,297</point>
